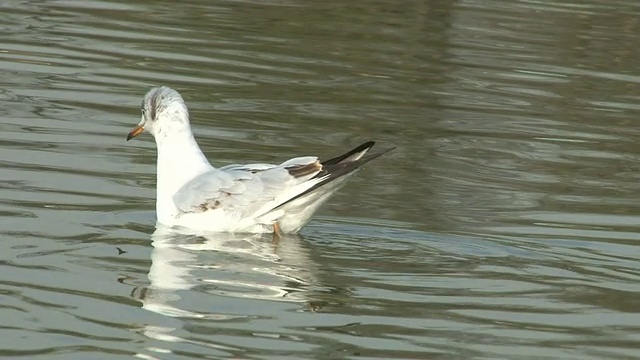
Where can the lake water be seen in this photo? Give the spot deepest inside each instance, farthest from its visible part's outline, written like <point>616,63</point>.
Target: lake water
<point>506,224</point>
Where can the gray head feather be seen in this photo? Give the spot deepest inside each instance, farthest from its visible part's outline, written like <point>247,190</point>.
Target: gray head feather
<point>157,100</point>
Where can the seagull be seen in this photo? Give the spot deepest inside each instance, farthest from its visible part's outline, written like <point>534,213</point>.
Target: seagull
<point>251,198</point>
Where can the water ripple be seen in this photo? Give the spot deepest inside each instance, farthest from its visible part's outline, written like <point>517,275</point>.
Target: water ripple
<point>510,205</point>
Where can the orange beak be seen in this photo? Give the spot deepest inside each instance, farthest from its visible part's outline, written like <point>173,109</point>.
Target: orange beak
<point>135,132</point>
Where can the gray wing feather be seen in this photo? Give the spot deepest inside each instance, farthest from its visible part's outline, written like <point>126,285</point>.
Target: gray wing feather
<point>248,167</point>
<point>242,189</point>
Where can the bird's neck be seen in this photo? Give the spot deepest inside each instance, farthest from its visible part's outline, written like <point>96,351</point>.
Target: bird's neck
<point>179,160</point>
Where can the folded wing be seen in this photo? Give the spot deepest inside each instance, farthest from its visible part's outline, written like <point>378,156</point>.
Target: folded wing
<point>254,190</point>
<point>243,190</point>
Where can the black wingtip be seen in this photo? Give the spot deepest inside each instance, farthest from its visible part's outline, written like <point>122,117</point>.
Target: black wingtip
<point>337,167</point>
<point>361,148</point>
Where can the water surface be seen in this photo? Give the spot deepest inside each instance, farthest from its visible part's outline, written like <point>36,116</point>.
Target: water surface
<point>505,224</point>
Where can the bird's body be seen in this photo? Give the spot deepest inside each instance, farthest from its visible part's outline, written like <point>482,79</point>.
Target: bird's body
<point>253,198</point>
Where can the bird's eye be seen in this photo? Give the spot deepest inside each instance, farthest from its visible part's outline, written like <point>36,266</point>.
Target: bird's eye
<point>144,112</point>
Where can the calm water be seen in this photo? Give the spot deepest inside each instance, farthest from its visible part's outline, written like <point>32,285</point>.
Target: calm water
<point>505,226</point>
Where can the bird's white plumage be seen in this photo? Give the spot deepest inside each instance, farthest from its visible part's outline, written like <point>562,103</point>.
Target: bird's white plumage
<point>240,196</point>
<point>235,198</point>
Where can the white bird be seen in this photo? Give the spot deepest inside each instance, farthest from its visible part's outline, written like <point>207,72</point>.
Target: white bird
<point>252,198</point>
